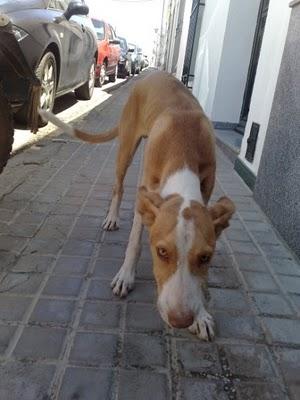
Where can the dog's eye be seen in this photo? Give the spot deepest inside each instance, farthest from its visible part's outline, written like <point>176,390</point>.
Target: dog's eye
<point>162,253</point>
<point>204,258</point>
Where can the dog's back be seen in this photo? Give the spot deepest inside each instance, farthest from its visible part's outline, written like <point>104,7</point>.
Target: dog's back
<point>159,92</point>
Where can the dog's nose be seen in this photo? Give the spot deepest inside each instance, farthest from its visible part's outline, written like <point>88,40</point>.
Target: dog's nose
<point>181,321</point>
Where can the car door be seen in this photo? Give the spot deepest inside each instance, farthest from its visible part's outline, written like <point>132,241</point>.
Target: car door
<point>72,46</point>
<point>87,50</point>
<point>115,47</point>
<point>111,60</point>
<point>91,38</point>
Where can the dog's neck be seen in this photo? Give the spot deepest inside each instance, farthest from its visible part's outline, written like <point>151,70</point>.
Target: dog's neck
<point>185,183</point>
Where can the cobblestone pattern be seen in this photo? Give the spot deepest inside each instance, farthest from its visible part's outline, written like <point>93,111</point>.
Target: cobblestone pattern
<point>63,335</point>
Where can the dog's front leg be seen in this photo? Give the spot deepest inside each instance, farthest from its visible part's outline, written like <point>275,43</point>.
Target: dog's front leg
<point>203,325</point>
<point>124,280</point>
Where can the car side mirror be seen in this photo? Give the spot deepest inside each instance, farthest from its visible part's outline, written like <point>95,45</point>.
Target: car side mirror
<point>76,8</point>
<point>114,41</point>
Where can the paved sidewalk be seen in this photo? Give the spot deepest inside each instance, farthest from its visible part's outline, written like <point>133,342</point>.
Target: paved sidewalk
<point>63,335</point>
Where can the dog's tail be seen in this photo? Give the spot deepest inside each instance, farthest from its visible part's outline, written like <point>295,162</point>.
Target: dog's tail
<point>86,137</point>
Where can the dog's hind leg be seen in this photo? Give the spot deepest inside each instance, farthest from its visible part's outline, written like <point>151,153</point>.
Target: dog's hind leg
<point>127,148</point>
<point>124,280</point>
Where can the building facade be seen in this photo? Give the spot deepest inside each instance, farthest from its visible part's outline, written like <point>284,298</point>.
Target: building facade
<point>244,68</point>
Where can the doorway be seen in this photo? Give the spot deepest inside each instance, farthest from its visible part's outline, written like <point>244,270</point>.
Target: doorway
<point>192,39</point>
<point>258,37</point>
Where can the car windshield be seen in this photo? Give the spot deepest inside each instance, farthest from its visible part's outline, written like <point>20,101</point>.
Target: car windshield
<point>99,28</point>
<point>123,43</point>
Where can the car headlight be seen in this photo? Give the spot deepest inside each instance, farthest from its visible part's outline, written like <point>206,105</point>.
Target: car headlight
<point>19,33</point>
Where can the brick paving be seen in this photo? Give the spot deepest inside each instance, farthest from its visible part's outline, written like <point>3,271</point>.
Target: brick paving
<point>63,335</point>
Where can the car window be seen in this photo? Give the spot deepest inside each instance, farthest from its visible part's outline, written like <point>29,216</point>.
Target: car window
<point>109,33</point>
<point>113,32</point>
<point>99,28</point>
<point>123,43</point>
<point>59,4</point>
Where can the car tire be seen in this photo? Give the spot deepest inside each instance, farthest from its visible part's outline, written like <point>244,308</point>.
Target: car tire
<point>85,92</point>
<point>124,74</point>
<point>100,80</point>
<point>46,72</point>
<point>7,130</point>
<point>132,69</point>
<point>113,77</point>
<point>124,70</point>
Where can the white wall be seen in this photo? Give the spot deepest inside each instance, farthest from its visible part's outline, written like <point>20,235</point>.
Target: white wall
<point>183,39</point>
<point>223,57</point>
<point>235,59</point>
<point>266,76</point>
<point>210,52</point>
<point>174,7</point>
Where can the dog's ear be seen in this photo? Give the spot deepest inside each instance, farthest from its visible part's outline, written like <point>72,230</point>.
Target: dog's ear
<point>148,204</point>
<point>221,212</point>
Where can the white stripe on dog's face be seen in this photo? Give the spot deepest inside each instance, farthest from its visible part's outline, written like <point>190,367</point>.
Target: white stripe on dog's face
<point>181,293</point>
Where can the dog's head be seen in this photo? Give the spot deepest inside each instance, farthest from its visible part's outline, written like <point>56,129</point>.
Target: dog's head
<point>182,239</point>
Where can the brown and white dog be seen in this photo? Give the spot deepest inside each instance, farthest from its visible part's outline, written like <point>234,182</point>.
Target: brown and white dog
<point>178,179</point>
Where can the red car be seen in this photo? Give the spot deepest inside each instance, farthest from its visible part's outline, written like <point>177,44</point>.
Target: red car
<point>108,52</point>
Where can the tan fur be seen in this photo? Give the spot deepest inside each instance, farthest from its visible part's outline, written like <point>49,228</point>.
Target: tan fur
<point>162,217</point>
<point>162,234</point>
<point>162,109</point>
<point>180,136</point>
<point>100,138</point>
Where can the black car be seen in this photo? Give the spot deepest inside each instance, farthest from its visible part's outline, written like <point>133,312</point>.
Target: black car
<point>124,66</point>
<point>59,44</point>
<point>136,57</point>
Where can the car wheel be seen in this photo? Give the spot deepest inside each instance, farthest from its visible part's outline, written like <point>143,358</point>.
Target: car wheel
<point>85,92</point>
<point>113,77</point>
<point>132,69</point>
<point>127,70</point>
<point>124,73</point>
<point>100,80</point>
<point>47,74</point>
<point>7,130</point>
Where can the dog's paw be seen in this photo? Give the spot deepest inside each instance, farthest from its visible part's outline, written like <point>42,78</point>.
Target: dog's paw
<point>123,282</point>
<point>203,326</point>
<point>110,223</point>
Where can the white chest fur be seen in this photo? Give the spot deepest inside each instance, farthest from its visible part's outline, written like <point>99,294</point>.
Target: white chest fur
<point>185,183</point>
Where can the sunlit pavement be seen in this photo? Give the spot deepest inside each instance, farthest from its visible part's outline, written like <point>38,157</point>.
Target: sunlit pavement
<point>63,335</point>
<point>68,108</point>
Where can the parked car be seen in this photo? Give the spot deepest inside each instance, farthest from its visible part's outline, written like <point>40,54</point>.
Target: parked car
<point>59,44</point>
<point>136,58</point>
<point>124,67</point>
<point>108,52</point>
